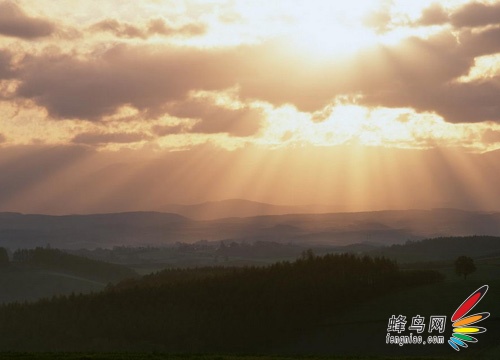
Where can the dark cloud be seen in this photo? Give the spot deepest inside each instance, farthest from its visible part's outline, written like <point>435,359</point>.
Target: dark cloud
<point>154,27</point>
<point>119,29</point>
<point>14,22</point>
<point>414,73</point>
<point>164,130</point>
<point>215,119</point>
<point>481,43</point>
<point>459,103</point>
<point>98,138</point>
<point>423,77</point>
<point>433,15</point>
<point>2,138</point>
<point>6,68</point>
<point>417,73</point>
<point>468,102</point>
<point>149,77</point>
<point>142,77</point>
<point>160,27</point>
<point>476,14</point>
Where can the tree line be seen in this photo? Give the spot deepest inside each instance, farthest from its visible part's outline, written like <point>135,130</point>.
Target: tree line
<point>208,309</point>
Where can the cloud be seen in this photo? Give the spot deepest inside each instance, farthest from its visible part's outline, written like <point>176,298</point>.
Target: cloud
<point>216,119</point>
<point>473,14</point>
<point>118,29</point>
<point>2,138</point>
<point>481,43</point>
<point>164,130</point>
<point>154,27</point>
<point>423,72</point>
<point>491,136</point>
<point>433,15</point>
<point>476,14</point>
<point>149,77</point>
<point>160,27</point>
<point>99,138</point>
<point>6,69</point>
<point>14,22</point>
<point>379,20</point>
<point>417,73</point>
<point>470,102</point>
<point>143,77</point>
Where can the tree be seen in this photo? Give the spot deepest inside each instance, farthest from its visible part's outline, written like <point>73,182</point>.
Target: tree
<point>307,255</point>
<point>464,265</point>
<point>4,257</point>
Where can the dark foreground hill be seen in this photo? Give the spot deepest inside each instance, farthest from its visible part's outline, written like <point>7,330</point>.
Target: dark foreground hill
<point>207,310</point>
<point>57,260</point>
<point>40,273</point>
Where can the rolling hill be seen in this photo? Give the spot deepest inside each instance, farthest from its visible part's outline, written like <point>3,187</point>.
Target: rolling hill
<point>152,228</point>
<point>231,208</point>
<point>43,273</point>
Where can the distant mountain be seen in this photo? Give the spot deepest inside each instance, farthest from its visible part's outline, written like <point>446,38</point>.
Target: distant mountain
<point>231,208</point>
<point>153,228</point>
<point>88,231</point>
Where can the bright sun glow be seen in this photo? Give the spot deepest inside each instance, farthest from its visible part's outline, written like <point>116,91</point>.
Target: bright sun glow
<point>321,29</point>
<point>331,28</point>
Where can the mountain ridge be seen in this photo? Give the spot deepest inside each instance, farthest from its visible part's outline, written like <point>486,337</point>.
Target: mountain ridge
<point>155,228</point>
<point>211,210</point>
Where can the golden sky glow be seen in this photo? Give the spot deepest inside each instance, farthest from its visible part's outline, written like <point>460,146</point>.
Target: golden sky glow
<point>155,77</point>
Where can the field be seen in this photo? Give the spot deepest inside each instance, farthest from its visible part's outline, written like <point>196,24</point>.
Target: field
<point>30,285</point>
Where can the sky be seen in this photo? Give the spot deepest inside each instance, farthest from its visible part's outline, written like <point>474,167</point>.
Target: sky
<point>360,105</point>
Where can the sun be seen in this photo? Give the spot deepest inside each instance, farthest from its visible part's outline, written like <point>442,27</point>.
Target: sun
<point>331,28</point>
<point>328,29</point>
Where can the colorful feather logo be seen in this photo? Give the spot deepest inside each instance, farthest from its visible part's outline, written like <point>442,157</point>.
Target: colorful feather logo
<point>464,327</point>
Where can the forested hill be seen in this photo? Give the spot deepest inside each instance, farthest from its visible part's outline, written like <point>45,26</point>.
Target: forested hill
<point>444,248</point>
<point>206,310</point>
